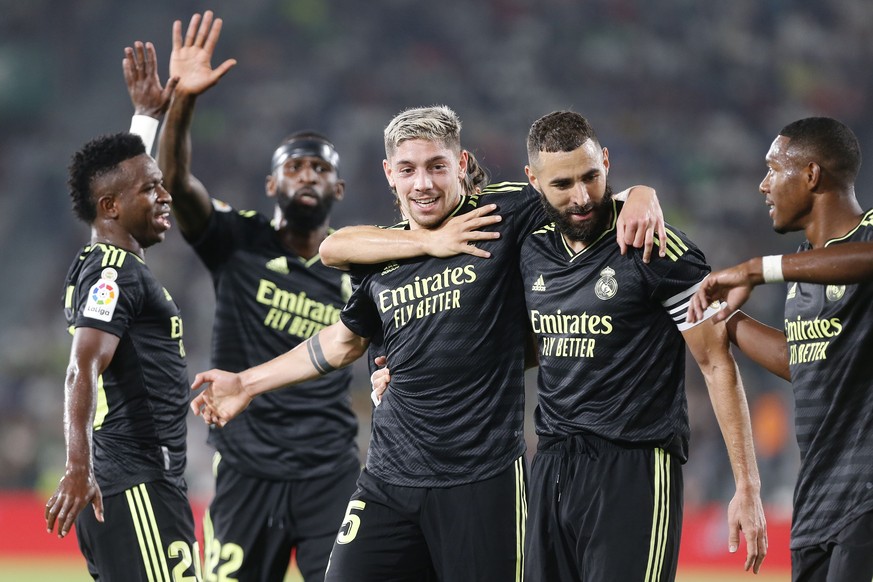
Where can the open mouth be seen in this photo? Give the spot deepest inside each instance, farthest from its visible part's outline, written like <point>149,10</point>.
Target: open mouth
<point>424,202</point>
<point>163,219</point>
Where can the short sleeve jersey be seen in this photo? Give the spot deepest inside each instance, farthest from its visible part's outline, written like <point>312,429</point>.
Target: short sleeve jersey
<point>268,300</point>
<point>142,396</point>
<point>453,331</point>
<point>608,330</point>
<point>829,329</point>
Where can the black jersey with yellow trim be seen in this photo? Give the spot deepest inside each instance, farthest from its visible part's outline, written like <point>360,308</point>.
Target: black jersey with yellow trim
<point>829,330</point>
<point>453,331</point>
<point>608,329</point>
<point>142,396</point>
<point>267,301</point>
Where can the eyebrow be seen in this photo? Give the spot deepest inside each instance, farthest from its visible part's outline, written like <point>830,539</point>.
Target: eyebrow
<point>427,161</point>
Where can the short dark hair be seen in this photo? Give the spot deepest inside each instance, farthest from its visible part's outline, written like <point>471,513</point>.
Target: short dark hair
<point>96,158</point>
<point>829,143</point>
<point>559,131</point>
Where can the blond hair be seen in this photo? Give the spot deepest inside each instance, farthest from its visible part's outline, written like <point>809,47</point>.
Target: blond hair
<point>437,123</point>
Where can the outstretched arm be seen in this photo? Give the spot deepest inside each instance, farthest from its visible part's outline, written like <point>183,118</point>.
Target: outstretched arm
<point>91,353</point>
<point>150,100</point>
<point>764,345</point>
<point>710,347</point>
<point>228,394</point>
<point>843,264</point>
<point>190,62</point>
<point>365,245</point>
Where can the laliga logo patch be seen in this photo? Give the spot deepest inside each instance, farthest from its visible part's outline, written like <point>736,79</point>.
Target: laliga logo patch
<point>606,286</point>
<point>103,297</point>
<point>835,292</point>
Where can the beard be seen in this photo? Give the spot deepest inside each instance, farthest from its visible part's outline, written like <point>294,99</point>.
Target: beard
<point>305,217</point>
<point>588,231</point>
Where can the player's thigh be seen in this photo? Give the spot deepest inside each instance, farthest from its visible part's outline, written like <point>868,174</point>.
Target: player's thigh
<point>380,539</point>
<point>148,534</point>
<point>246,533</point>
<point>545,556</point>
<point>476,531</point>
<point>633,527</point>
<point>317,508</point>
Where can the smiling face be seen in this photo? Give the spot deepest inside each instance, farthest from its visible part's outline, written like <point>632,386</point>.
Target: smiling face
<point>574,189</point>
<point>427,176</point>
<point>785,187</point>
<point>305,189</point>
<point>134,195</point>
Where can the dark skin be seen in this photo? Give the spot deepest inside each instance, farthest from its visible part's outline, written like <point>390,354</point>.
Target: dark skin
<point>303,181</point>
<point>132,210</point>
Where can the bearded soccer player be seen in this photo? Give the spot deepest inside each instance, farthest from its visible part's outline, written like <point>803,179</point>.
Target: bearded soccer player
<point>126,387</point>
<point>285,468</point>
<point>612,418</point>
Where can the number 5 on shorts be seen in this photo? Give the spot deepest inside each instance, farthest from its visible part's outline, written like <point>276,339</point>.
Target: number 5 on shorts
<point>351,520</point>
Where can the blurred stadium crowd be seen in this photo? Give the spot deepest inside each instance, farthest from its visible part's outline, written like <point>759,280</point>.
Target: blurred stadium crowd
<point>686,95</point>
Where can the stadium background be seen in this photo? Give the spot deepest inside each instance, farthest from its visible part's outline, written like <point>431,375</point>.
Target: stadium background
<point>686,95</point>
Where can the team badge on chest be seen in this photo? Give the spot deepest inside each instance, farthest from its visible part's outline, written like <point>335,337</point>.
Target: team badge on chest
<point>606,286</point>
<point>835,292</point>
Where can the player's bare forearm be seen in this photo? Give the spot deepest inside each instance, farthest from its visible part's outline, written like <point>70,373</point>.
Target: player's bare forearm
<point>710,347</point>
<point>842,264</point>
<point>191,202</point>
<point>366,245</point>
<point>228,394</point>
<point>764,345</point>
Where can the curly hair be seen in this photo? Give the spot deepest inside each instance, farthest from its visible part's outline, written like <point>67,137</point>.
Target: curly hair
<point>97,158</point>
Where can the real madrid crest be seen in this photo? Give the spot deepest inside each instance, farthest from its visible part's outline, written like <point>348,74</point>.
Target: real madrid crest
<point>835,292</point>
<point>606,286</point>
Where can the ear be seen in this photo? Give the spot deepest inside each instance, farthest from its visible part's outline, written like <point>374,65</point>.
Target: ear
<point>606,160</point>
<point>812,174</point>
<point>388,173</point>
<point>107,206</point>
<point>270,186</point>
<point>340,190</point>
<point>463,160</point>
<point>531,177</point>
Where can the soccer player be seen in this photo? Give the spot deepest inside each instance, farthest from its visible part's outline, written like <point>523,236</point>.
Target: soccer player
<point>443,490</point>
<point>286,467</point>
<point>612,418</point>
<point>825,347</point>
<point>126,387</point>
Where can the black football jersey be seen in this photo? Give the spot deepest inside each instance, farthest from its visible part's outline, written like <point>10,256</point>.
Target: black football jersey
<point>453,331</point>
<point>608,329</point>
<point>142,396</point>
<point>267,301</point>
<point>829,329</point>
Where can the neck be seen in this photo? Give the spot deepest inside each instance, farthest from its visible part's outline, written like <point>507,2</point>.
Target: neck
<point>121,240</point>
<point>303,243</point>
<point>834,216</point>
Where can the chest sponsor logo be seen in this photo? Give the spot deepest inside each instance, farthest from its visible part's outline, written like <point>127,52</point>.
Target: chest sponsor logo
<point>606,286</point>
<point>808,340</point>
<point>102,299</point>
<point>294,313</point>
<point>426,296</point>
<point>575,333</point>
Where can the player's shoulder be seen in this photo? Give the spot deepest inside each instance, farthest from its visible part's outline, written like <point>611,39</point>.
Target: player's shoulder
<point>223,209</point>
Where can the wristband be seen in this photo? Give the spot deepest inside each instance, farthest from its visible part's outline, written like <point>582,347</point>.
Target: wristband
<point>146,128</point>
<point>771,267</point>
